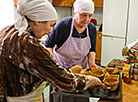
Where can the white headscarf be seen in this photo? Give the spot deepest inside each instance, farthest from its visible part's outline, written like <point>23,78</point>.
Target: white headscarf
<point>86,6</point>
<point>36,10</point>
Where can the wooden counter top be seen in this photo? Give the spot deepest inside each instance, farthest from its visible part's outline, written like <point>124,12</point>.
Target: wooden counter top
<point>129,93</point>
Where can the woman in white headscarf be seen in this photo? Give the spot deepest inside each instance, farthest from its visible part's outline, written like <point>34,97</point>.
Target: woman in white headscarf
<point>74,38</point>
<point>25,64</point>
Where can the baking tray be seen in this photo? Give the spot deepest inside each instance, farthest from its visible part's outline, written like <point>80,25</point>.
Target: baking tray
<point>106,94</point>
<point>94,92</point>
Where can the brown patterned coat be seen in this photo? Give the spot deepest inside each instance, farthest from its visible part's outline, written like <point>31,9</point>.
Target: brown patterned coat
<point>25,64</point>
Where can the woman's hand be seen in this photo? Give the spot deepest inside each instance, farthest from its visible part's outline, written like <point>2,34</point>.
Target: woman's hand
<point>94,81</point>
<point>93,65</point>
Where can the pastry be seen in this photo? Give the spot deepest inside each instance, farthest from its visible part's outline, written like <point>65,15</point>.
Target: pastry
<point>118,63</point>
<point>111,70</point>
<point>85,71</point>
<point>76,69</point>
<point>111,82</point>
<point>98,72</point>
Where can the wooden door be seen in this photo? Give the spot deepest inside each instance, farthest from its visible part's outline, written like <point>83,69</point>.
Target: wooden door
<point>98,3</point>
<point>98,48</point>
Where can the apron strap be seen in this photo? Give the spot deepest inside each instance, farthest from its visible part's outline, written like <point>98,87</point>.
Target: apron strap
<point>72,25</point>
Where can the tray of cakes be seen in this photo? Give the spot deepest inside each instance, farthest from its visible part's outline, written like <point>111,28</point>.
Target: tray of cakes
<point>109,76</point>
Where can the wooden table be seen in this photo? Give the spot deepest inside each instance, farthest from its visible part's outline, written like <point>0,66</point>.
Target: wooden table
<point>129,93</point>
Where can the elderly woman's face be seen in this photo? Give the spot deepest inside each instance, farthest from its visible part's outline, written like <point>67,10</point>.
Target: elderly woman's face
<point>83,19</point>
<point>45,28</point>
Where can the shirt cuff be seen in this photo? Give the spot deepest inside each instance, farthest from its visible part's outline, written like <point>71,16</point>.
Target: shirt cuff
<point>86,84</point>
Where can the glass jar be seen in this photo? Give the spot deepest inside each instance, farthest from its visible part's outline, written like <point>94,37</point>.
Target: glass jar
<point>135,72</point>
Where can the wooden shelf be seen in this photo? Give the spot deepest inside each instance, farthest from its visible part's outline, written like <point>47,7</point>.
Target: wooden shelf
<point>69,3</point>
<point>98,3</point>
<point>63,3</point>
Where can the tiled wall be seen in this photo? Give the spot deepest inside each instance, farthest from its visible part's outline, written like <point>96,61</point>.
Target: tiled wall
<point>68,11</point>
<point>98,15</point>
<point>63,12</point>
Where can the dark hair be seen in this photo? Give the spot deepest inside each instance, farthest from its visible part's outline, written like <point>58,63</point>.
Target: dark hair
<point>28,19</point>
